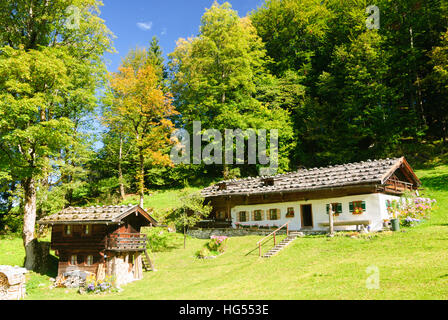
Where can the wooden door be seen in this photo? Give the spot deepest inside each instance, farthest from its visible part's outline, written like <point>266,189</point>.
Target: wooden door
<point>306,215</point>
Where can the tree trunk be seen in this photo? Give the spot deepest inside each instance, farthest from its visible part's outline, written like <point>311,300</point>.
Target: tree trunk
<point>416,79</point>
<point>29,222</point>
<point>141,177</point>
<point>185,238</point>
<point>120,171</point>
<point>225,171</point>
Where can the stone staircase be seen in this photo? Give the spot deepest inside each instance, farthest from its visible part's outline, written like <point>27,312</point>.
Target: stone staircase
<point>283,244</point>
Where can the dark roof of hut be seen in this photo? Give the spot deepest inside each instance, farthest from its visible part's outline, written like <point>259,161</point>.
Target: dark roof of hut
<point>95,215</point>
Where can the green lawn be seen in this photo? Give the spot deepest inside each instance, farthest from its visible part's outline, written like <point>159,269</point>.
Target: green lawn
<point>160,200</point>
<point>412,265</point>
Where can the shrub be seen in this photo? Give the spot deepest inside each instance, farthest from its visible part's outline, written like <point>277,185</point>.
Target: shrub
<point>412,210</point>
<point>11,223</point>
<point>410,222</point>
<point>203,253</point>
<point>158,239</point>
<point>217,243</point>
<point>214,247</point>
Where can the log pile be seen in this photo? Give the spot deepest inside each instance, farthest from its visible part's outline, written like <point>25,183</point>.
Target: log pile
<point>71,279</point>
<point>12,283</point>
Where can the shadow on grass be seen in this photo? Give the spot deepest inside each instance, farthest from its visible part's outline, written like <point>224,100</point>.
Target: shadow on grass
<point>52,267</point>
<point>439,183</point>
<point>253,252</point>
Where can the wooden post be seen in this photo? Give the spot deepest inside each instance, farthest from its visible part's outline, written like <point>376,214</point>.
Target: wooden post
<point>330,213</point>
<point>228,213</point>
<point>274,238</point>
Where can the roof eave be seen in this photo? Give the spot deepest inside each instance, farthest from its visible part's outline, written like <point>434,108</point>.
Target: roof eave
<point>363,183</point>
<point>56,222</point>
<point>136,208</point>
<point>401,162</point>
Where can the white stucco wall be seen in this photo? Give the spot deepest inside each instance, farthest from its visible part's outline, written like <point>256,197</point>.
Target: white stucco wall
<point>376,212</point>
<point>121,269</point>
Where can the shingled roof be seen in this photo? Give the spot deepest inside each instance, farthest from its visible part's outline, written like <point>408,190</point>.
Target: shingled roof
<point>365,172</point>
<point>94,215</point>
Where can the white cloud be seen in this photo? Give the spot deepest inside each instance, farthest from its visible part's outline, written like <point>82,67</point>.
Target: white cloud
<point>145,26</point>
<point>163,31</point>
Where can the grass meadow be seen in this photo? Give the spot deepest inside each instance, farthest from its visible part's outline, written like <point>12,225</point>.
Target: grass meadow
<point>412,264</point>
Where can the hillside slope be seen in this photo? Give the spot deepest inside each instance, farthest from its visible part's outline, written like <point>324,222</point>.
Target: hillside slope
<point>411,265</point>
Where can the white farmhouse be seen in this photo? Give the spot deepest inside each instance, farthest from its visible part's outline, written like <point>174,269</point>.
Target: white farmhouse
<point>359,194</point>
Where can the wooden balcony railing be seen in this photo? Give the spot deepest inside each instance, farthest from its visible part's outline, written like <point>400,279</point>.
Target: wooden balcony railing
<point>393,185</point>
<point>126,242</point>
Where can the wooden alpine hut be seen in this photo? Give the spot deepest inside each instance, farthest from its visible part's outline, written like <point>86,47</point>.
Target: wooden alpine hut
<point>104,240</point>
<point>360,194</point>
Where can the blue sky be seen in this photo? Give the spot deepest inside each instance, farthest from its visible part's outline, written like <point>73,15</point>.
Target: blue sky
<point>135,22</point>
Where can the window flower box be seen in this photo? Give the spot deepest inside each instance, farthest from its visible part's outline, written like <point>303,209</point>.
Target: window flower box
<point>290,212</point>
<point>357,207</point>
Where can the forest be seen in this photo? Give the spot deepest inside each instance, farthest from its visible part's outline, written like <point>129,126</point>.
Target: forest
<point>337,89</point>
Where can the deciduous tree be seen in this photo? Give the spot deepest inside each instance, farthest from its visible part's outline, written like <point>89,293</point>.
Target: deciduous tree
<point>144,110</point>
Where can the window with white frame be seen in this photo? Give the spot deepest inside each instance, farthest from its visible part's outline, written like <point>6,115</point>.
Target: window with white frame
<point>242,216</point>
<point>258,215</point>
<point>274,214</point>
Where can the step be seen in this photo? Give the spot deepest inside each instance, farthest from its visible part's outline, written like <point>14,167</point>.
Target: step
<point>280,246</point>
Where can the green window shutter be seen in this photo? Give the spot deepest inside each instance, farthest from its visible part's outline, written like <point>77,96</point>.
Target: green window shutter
<point>363,205</point>
<point>339,209</point>
<point>328,209</point>
<point>351,206</point>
